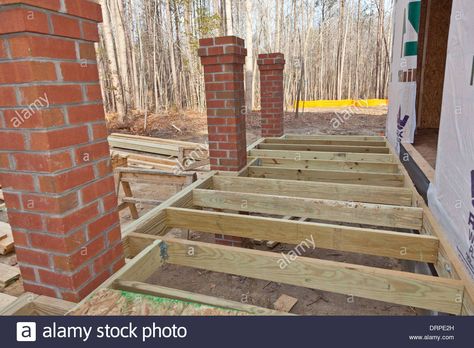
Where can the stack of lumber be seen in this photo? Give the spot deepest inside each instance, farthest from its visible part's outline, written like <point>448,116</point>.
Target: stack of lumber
<point>8,274</point>
<point>189,155</point>
<point>6,238</point>
<point>145,161</point>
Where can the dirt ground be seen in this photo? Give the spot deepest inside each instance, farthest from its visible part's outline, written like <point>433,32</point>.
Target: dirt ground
<point>191,126</point>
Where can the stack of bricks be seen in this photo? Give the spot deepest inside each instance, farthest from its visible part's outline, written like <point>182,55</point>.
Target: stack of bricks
<point>271,90</point>
<point>223,59</point>
<point>54,157</point>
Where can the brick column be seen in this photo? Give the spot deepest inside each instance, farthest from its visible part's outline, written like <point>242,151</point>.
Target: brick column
<point>271,92</point>
<point>223,59</point>
<point>54,156</point>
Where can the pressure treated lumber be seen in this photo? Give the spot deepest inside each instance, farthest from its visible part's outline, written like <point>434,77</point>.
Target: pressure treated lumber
<point>310,155</point>
<point>404,246</point>
<point>6,243</point>
<point>402,288</point>
<point>328,210</point>
<point>335,137</point>
<point>305,189</point>
<point>8,274</point>
<point>344,177</point>
<point>324,142</point>
<point>161,291</point>
<point>330,165</point>
<point>331,148</point>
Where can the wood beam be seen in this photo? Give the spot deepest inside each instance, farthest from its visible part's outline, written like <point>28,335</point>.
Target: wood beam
<point>416,290</point>
<point>329,148</point>
<point>324,142</point>
<point>336,137</point>
<point>338,176</point>
<point>321,209</point>
<point>310,155</point>
<point>398,245</point>
<point>317,190</point>
<point>330,165</point>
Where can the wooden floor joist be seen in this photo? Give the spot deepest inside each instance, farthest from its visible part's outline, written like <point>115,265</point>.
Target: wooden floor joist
<point>353,239</point>
<point>325,142</point>
<point>344,177</point>
<point>327,210</point>
<point>310,155</point>
<point>330,165</point>
<point>421,291</point>
<point>317,190</point>
<point>329,148</point>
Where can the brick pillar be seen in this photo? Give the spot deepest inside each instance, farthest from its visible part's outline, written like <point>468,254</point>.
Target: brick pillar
<point>223,59</point>
<point>54,156</point>
<point>271,91</point>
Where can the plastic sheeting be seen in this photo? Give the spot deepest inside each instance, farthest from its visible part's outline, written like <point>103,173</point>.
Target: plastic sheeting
<point>451,196</point>
<point>401,119</point>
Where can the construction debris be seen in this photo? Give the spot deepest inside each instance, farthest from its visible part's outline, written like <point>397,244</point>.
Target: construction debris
<point>285,303</point>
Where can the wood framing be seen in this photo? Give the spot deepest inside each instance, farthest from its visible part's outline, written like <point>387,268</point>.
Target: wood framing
<point>359,202</point>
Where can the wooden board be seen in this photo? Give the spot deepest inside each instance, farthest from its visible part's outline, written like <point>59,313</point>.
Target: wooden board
<point>312,155</point>
<point>8,274</point>
<point>330,165</point>
<point>6,244</point>
<point>335,237</point>
<point>317,190</point>
<point>285,303</point>
<point>328,210</point>
<point>421,291</point>
<point>6,300</point>
<point>343,177</point>
<point>363,138</point>
<point>324,142</point>
<point>331,148</point>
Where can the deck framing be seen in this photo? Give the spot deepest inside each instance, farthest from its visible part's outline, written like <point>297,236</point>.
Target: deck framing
<point>347,201</point>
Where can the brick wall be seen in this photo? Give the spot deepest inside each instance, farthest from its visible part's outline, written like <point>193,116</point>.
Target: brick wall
<point>271,90</point>
<point>223,59</point>
<point>54,157</point>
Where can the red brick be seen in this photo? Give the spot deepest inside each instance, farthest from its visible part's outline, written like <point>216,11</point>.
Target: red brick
<point>100,131</point>
<point>28,273</point>
<point>12,200</point>
<point>50,204</point>
<point>103,167</point>
<point>84,9</point>
<point>91,32</point>
<point>56,94</point>
<point>66,223</point>
<point>12,141</point>
<point>93,284</point>
<point>93,152</point>
<point>98,189</point>
<point>79,72</point>
<point>42,47</point>
<point>3,51</point>
<point>86,113</point>
<point>87,51</point>
<point>102,224</point>
<point>19,182</point>
<point>66,26</point>
<point>39,289</point>
<point>20,238</point>
<point>106,260</point>
<point>110,202</point>
<point>25,220</point>
<point>50,4</point>
<point>56,139</point>
<point>20,20</point>
<point>41,118</point>
<point>94,92</point>
<point>65,281</point>
<point>19,72</point>
<point>61,244</point>
<point>44,162</point>
<point>32,257</point>
<point>59,183</point>
<point>76,260</point>
<point>7,97</point>
<point>114,236</point>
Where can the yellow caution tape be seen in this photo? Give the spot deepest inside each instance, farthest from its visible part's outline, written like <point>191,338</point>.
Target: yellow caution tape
<point>342,103</point>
